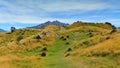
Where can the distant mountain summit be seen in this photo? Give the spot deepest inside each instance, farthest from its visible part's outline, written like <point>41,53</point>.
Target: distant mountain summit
<point>1,30</point>
<point>56,23</point>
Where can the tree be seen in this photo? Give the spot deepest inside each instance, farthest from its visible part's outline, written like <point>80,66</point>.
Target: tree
<point>113,27</point>
<point>108,23</point>
<point>13,29</point>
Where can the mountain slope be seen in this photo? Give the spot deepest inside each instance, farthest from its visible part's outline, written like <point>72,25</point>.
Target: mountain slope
<point>1,30</point>
<point>56,23</point>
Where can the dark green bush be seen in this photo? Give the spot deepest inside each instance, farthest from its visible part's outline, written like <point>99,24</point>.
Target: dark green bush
<point>19,38</point>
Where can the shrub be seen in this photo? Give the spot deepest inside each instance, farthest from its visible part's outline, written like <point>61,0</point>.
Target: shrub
<point>67,36</point>
<point>68,50</point>
<point>39,37</point>
<point>64,39</point>
<point>67,55</point>
<point>67,43</point>
<point>44,44</point>
<point>61,37</point>
<point>113,27</point>
<point>86,42</point>
<point>90,34</point>
<point>43,54</point>
<point>108,23</point>
<point>114,30</point>
<point>19,38</point>
<point>107,38</point>
<point>44,49</point>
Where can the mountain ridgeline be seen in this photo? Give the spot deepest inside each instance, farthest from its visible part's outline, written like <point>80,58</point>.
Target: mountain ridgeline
<point>1,30</point>
<point>56,23</point>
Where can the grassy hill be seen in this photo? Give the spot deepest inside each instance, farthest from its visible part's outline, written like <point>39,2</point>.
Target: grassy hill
<point>79,45</point>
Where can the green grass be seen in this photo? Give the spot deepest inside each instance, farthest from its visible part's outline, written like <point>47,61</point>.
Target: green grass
<point>55,54</point>
<point>56,59</point>
<point>94,62</point>
<point>78,36</point>
<point>35,51</point>
<point>23,64</point>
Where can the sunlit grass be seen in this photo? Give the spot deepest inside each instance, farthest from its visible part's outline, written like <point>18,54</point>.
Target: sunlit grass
<point>92,46</point>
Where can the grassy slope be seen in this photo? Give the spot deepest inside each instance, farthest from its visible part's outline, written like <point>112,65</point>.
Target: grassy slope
<point>83,41</point>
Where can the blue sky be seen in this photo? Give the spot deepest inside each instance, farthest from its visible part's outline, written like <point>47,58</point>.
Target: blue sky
<point>25,13</point>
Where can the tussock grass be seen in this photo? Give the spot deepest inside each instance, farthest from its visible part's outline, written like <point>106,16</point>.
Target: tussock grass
<point>81,44</point>
<point>106,48</point>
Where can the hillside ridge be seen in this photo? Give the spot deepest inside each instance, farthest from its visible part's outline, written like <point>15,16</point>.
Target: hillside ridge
<point>81,44</point>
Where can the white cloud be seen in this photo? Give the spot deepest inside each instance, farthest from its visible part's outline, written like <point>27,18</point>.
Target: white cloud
<point>37,11</point>
<point>55,5</point>
<point>8,18</point>
<point>68,6</point>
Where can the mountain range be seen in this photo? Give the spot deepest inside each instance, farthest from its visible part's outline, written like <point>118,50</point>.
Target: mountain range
<point>56,23</point>
<point>1,30</point>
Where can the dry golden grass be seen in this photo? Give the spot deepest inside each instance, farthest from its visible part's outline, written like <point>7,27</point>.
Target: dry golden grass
<point>5,65</point>
<point>28,42</point>
<point>50,38</point>
<point>27,51</point>
<point>51,28</point>
<point>80,23</point>
<point>9,58</point>
<point>6,60</point>
<point>111,46</point>
<point>89,29</point>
